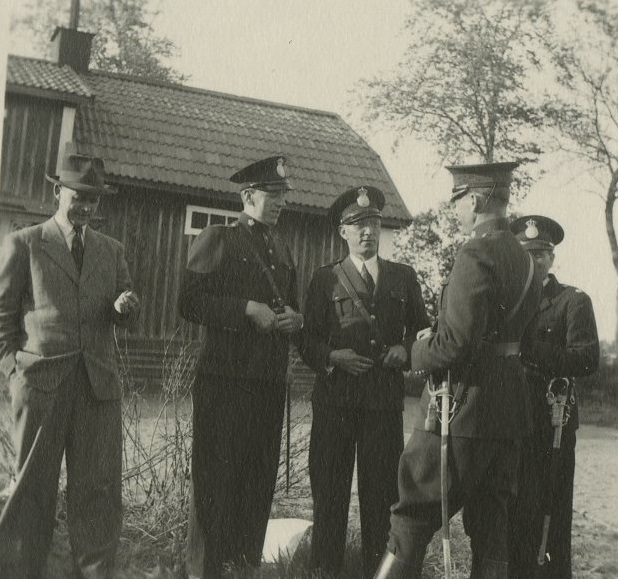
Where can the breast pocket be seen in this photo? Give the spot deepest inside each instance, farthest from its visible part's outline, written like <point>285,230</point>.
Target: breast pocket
<point>343,306</point>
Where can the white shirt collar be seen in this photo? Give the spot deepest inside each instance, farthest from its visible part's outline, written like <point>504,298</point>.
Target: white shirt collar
<point>371,264</point>
<point>66,228</point>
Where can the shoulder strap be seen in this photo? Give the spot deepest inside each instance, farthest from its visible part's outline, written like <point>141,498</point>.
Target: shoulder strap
<point>349,288</point>
<point>524,291</point>
<point>266,271</point>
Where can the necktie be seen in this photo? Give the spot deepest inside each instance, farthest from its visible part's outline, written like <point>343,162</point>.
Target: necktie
<point>77,247</point>
<point>371,286</point>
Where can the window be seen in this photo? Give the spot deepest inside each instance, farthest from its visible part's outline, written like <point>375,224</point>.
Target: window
<point>199,217</point>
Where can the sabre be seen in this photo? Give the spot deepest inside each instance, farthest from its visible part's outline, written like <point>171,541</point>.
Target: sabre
<point>446,522</point>
<point>557,397</point>
<point>288,436</point>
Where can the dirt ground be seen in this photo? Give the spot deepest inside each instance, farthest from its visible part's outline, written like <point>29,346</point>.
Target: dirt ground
<point>595,522</point>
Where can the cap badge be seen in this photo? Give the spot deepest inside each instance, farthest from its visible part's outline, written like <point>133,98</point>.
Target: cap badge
<point>363,198</point>
<point>280,168</point>
<point>532,231</point>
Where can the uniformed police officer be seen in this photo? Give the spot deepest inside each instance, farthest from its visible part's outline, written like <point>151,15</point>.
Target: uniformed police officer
<point>490,297</point>
<point>240,285</point>
<point>561,342</point>
<point>361,315</point>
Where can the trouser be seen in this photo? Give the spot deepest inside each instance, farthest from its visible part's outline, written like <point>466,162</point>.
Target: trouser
<point>88,431</point>
<point>338,434</point>
<point>527,509</point>
<point>236,442</point>
<point>481,476</point>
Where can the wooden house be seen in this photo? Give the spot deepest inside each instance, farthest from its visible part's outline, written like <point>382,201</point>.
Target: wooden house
<point>170,150</point>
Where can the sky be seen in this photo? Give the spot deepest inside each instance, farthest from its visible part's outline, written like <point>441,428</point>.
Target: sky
<point>313,52</point>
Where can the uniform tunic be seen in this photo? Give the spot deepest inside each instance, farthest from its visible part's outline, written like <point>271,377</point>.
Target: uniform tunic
<point>561,342</point>
<point>357,415</point>
<point>488,278</point>
<point>239,390</point>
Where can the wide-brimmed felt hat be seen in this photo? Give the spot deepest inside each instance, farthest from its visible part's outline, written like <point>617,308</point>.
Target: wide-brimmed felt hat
<point>82,173</point>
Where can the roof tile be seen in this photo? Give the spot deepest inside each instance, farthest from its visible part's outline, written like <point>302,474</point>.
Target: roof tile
<point>45,75</point>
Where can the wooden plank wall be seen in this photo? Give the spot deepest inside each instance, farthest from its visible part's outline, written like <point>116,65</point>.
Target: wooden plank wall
<point>31,133</point>
<point>151,226</point>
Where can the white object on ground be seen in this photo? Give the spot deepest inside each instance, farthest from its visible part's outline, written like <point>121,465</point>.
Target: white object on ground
<point>282,538</point>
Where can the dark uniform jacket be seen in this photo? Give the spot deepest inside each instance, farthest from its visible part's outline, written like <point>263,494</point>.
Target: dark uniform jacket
<point>332,322</point>
<point>487,280</point>
<point>562,341</point>
<point>223,274</point>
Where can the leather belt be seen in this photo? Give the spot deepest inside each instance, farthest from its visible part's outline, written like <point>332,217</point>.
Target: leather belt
<point>505,349</point>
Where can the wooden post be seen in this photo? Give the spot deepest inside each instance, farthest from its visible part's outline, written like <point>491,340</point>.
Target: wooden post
<point>74,22</point>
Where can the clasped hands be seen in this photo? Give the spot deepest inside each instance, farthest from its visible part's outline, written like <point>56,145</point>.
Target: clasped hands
<point>267,321</point>
<point>352,363</point>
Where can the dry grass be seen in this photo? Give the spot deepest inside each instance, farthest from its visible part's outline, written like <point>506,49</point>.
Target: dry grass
<point>156,483</point>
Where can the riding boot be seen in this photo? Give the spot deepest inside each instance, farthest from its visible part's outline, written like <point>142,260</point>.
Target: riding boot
<point>391,567</point>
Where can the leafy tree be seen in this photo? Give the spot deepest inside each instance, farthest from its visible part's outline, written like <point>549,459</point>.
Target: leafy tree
<point>462,84</point>
<point>430,244</point>
<point>125,39</point>
<point>584,110</point>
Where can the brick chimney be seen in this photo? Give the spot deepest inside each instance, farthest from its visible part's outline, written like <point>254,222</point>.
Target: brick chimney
<point>72,47</point>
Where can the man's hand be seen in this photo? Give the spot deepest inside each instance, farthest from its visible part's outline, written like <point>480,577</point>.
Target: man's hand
<point>396,357</point>
<point>289,322</point>
<point>349,361</point>
<point>126,302</point>
<point>264,319</point>
<point>424,333</point>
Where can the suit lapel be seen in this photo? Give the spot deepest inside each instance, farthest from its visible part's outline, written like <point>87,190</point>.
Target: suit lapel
<point>55,246</point>
<point>355,278</point>
<point>92,253</point>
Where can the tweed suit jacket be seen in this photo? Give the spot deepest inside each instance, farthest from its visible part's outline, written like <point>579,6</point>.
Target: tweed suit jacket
<point>51,317</point>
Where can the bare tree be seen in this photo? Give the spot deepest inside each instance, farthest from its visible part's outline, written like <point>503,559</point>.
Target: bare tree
<point>584,109</point>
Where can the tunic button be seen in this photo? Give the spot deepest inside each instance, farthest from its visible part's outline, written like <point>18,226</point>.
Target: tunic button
<point>373,342</point>
<point>270,251</point>
<point>272,267</point>
<point>373,318</point>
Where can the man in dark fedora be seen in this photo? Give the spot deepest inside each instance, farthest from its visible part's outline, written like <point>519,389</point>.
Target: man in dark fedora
<point>361,316</point>
<point>63,286</point>
<point>240,285</point>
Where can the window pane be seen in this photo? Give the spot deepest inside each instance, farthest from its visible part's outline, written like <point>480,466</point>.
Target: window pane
<point>199,220</point>
<point>217,219</point>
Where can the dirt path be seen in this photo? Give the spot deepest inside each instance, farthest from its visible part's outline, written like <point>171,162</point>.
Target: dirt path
<point>595,520</point>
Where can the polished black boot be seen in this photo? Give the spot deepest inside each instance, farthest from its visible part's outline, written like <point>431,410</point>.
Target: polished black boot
<point>391,567</point>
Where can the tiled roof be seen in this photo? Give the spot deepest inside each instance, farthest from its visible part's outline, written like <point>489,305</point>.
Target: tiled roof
<point>193,139</point>
<point>46,76</point>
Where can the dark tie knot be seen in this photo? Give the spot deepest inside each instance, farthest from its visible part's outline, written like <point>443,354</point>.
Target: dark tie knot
<point>78,230</point>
